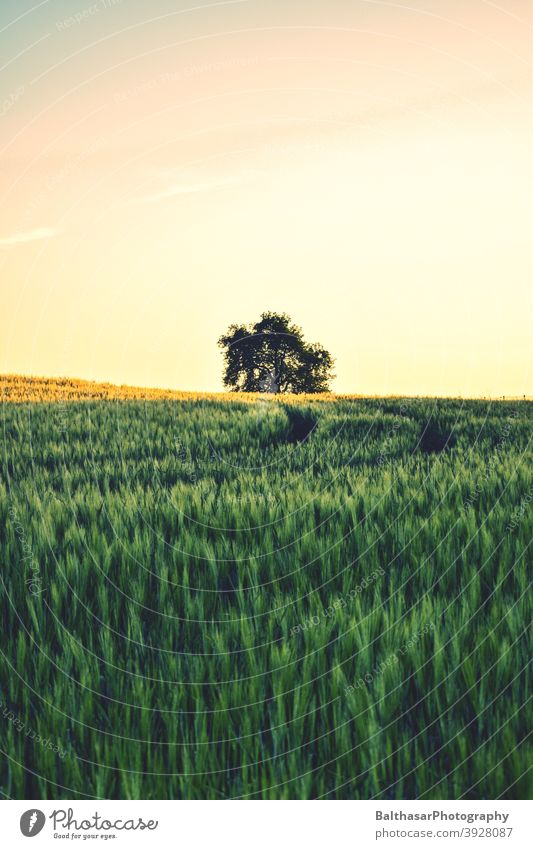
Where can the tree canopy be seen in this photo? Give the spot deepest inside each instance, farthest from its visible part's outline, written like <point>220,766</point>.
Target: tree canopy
<point>273,356</point>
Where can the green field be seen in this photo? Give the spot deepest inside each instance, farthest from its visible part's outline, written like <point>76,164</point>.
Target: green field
<point>212,600</point>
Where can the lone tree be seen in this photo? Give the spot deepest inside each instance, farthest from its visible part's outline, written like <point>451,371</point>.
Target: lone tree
<point>272,356</point>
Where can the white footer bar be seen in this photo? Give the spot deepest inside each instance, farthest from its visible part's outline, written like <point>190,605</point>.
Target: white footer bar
<point>267,825</point>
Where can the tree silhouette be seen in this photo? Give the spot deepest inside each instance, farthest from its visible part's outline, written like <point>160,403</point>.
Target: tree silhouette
<point>272,356</point>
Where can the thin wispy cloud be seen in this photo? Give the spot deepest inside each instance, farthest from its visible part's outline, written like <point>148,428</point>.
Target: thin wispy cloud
<point>198,187</point>
<point>29,236</point>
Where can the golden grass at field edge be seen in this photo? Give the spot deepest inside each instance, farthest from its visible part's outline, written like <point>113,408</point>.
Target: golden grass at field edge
<point>20,389</point>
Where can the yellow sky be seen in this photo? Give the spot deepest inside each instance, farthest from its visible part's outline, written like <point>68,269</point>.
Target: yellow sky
<point>364,166</point>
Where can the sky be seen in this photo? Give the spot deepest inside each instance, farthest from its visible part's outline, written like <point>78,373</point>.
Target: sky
<point>170,168</point>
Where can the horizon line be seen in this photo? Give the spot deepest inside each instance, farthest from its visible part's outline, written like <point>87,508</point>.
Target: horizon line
<point>227,393</point>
